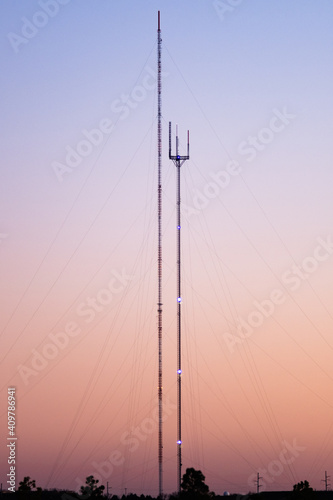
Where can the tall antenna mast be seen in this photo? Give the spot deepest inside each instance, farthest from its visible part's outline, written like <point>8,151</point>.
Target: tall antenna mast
<point>178,161</point>
<point>159,260</point>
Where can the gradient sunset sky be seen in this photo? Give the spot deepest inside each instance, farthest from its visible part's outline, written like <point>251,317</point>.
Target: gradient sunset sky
<point>252,81</point>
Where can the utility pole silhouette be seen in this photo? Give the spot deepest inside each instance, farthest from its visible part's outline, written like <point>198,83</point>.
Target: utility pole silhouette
<point>327,485</point>
<point>258,482</point>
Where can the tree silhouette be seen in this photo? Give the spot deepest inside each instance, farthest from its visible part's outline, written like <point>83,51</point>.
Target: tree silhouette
<point>193,484</point>
<point>28,484</point>
<point>91,490</point>
<point>302,490</point>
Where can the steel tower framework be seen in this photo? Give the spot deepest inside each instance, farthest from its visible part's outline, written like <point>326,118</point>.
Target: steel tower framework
<point>159,260</point>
